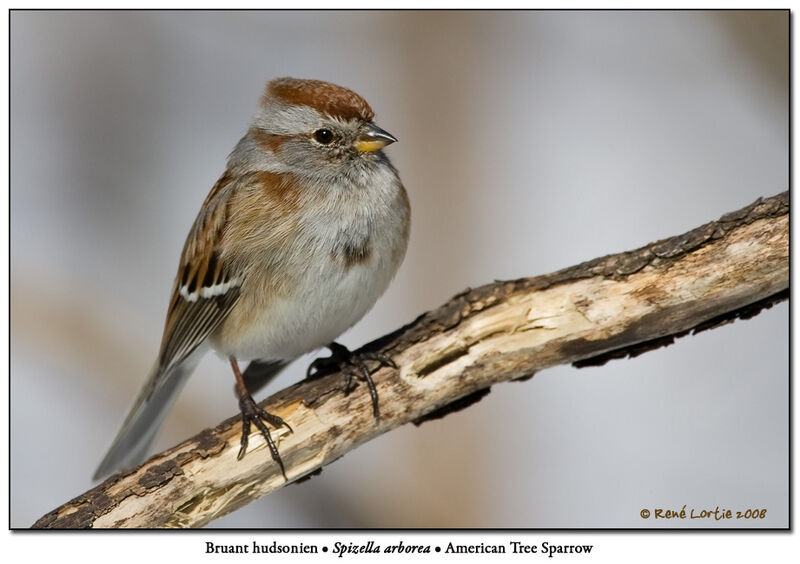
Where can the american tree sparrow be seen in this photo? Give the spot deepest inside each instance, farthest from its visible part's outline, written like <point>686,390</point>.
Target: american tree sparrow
<point>292,246</point>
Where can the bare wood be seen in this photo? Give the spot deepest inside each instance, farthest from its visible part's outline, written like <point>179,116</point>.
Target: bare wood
<point>606,308</point>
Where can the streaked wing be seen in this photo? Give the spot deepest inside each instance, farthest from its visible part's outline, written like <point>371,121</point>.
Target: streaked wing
<point>205,288</point>
<point>191,324</point>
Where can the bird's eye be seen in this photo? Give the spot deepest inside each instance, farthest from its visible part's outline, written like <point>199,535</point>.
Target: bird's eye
<point>323,136</point>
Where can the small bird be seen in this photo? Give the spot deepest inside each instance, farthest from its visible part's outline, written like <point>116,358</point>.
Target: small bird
<point>295,242</point>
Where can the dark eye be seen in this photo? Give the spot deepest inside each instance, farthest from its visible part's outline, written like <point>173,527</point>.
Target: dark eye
<point>323,136</point>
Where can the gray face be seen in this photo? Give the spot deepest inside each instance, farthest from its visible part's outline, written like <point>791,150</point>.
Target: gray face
<point>317,147</point>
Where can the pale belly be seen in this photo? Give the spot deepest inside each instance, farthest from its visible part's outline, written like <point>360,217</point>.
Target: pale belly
<point>319,282</point>
<point>319,307</point>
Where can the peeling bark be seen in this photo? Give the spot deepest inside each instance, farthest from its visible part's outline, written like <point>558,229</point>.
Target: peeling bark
<point>611,307</point>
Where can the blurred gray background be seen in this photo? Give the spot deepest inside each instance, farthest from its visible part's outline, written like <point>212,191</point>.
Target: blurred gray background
<point>528,142</point>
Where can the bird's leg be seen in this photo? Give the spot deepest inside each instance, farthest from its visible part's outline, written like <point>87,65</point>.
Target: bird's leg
<point>352,364</point>
<point>251,412</point>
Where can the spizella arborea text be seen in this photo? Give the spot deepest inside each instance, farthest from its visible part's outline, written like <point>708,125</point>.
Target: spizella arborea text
<point>292,246</point>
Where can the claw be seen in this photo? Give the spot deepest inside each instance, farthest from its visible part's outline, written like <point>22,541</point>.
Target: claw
<point>352,364</point>
<point>318,364</point>
<point>348,380</point>
<point>383,358</point>
<point>252,413</point>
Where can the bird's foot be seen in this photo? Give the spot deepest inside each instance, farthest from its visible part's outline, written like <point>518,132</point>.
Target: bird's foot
<point>352,365</point>
<point>252,413</point>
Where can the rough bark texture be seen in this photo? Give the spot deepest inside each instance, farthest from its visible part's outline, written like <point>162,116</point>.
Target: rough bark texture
<point>611,307</point>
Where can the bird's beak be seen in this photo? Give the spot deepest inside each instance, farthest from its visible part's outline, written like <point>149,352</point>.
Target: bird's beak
<point>373,139</point>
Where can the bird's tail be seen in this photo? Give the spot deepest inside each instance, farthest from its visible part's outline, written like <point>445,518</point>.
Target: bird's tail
<point>145,417</point>
<point>151,406</point>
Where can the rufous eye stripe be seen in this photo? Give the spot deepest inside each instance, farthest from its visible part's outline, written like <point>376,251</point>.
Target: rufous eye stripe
<point>271,142</point>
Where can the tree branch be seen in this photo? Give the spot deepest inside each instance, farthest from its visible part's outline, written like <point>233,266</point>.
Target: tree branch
<point>611,307</point>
